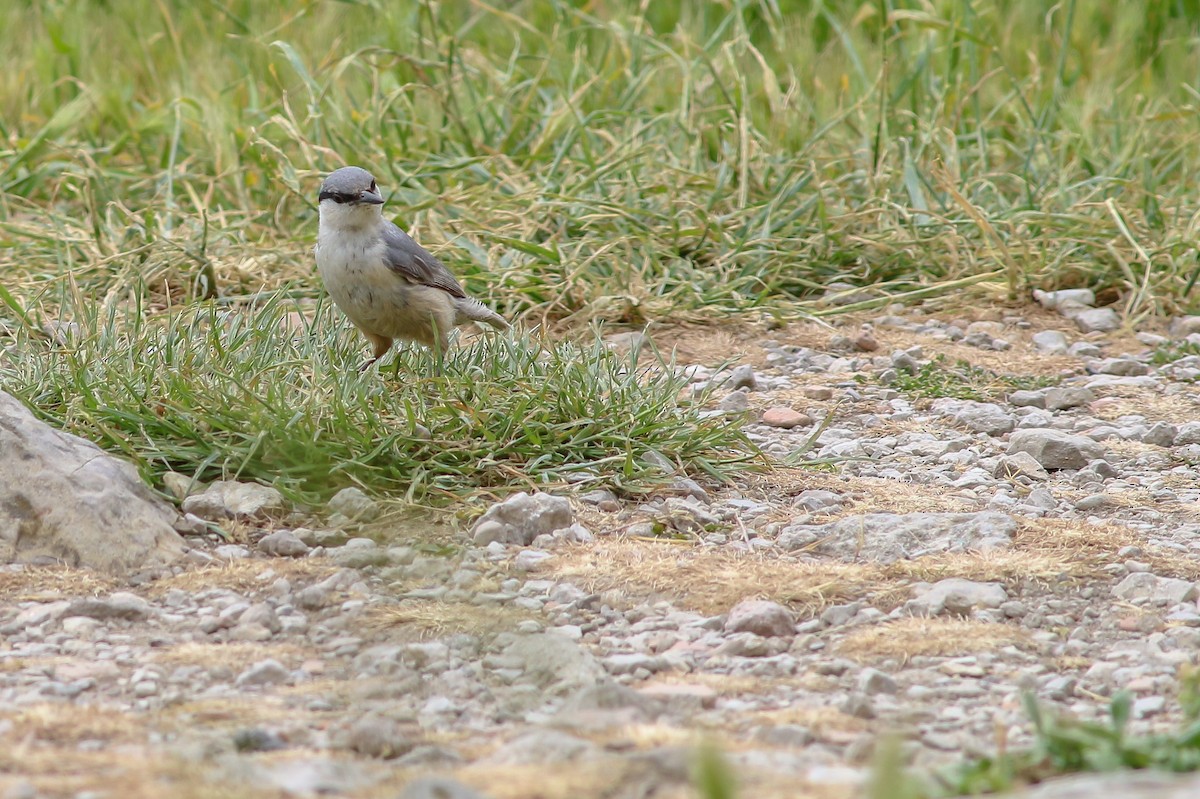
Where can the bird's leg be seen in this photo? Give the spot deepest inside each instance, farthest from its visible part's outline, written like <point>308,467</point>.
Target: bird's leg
<point>379,346</point>
<point>439,342</point>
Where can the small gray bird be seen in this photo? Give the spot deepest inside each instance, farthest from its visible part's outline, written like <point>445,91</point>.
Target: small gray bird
<point>389,286</point>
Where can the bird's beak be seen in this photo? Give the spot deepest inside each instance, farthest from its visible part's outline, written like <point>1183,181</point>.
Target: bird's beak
<point>370,197</point>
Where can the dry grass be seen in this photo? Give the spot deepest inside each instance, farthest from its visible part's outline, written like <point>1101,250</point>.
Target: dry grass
<point>68,725</point>
<point>904,639</point>
<point>414,619</point>
<point>235,656</point>
<point>52,583</point>
<point>826,723</point>
<point>229,713</point>
<point>130,773</point>
<point>246,575</point>
<point>621,777</point>
<point>708,580</point>
<point>1149,403</point>
<point>711,346</point>
<point>704,579</point>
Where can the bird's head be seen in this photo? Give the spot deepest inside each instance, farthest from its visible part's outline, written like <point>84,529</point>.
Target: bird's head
<point>350,198</point>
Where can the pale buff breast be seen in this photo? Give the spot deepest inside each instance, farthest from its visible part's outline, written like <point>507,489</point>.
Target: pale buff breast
<point>375,298</point>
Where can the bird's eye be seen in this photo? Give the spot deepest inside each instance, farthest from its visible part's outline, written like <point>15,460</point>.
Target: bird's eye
<point>373,186</point>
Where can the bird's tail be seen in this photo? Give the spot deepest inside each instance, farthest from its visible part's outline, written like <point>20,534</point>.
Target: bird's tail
<point>475,311</point>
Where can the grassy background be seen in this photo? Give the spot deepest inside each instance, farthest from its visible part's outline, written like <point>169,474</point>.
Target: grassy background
<point>614,160</point>
<point>610,159</point>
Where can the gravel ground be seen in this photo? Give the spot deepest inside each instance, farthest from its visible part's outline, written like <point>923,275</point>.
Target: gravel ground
<point>947,554</point>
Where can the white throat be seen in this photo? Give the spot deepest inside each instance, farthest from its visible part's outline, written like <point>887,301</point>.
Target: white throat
<point>348,218</point>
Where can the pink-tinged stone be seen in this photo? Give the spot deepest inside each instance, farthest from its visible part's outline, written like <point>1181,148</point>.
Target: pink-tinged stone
<point>787,418</point>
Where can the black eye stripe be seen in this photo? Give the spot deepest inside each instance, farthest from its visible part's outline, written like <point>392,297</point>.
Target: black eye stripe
<point>336,196</point>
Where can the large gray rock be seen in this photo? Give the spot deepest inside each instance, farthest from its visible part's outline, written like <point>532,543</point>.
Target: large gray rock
<point>889,537</point>
<point>522,518</point>
<point>64,500</point>
<point>1054,449</point>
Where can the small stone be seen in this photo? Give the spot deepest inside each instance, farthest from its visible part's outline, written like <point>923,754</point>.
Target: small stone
<point>260,613</point>
<point>742,377</point>
<point>35,616</point>
<point>1084,349</point>
<point>865,341</point>
<point>1093,502</point>
<point>145,688</point>
<point>1019,464</point>
<point>1051,342</point>
<point>873,681</point>
<point>1054,449</point>
<point>956,596</point>
<point>265,672</point>
<point>735,402</point>
<point>1097,320</point>
<point>1161,434</point>
<point>1028,399</point>
<point>761,617</point>
<point>227,499</point>
<point>119,605</point>
<point>598,497</point>
<point>528,560</point>
<point>284,544</point>
<point>1147,706</point>
<point>981,417</point>
<point>1184,326</point>
<point>815,500</point>
<point>858,705</point>
<point>231,552</point>
<point>353,504</point>
<point>626,340</point>
<point>378,737</point>
<point>1146,586</point>
<point>1121,367</point>
<point>178,485</point>
<point>542,748</point>
<point>786,418</point>
<point>1053,300</point>
<point>522,518</point>
<point>1062,398</point>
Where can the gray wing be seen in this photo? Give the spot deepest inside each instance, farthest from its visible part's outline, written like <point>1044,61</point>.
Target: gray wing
<point>416,264</point>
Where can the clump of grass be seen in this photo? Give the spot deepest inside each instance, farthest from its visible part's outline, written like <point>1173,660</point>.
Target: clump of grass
<point>267,394</point>
<point>963,380</point>
<point>1172,351</point>
<point>1065,745</point>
